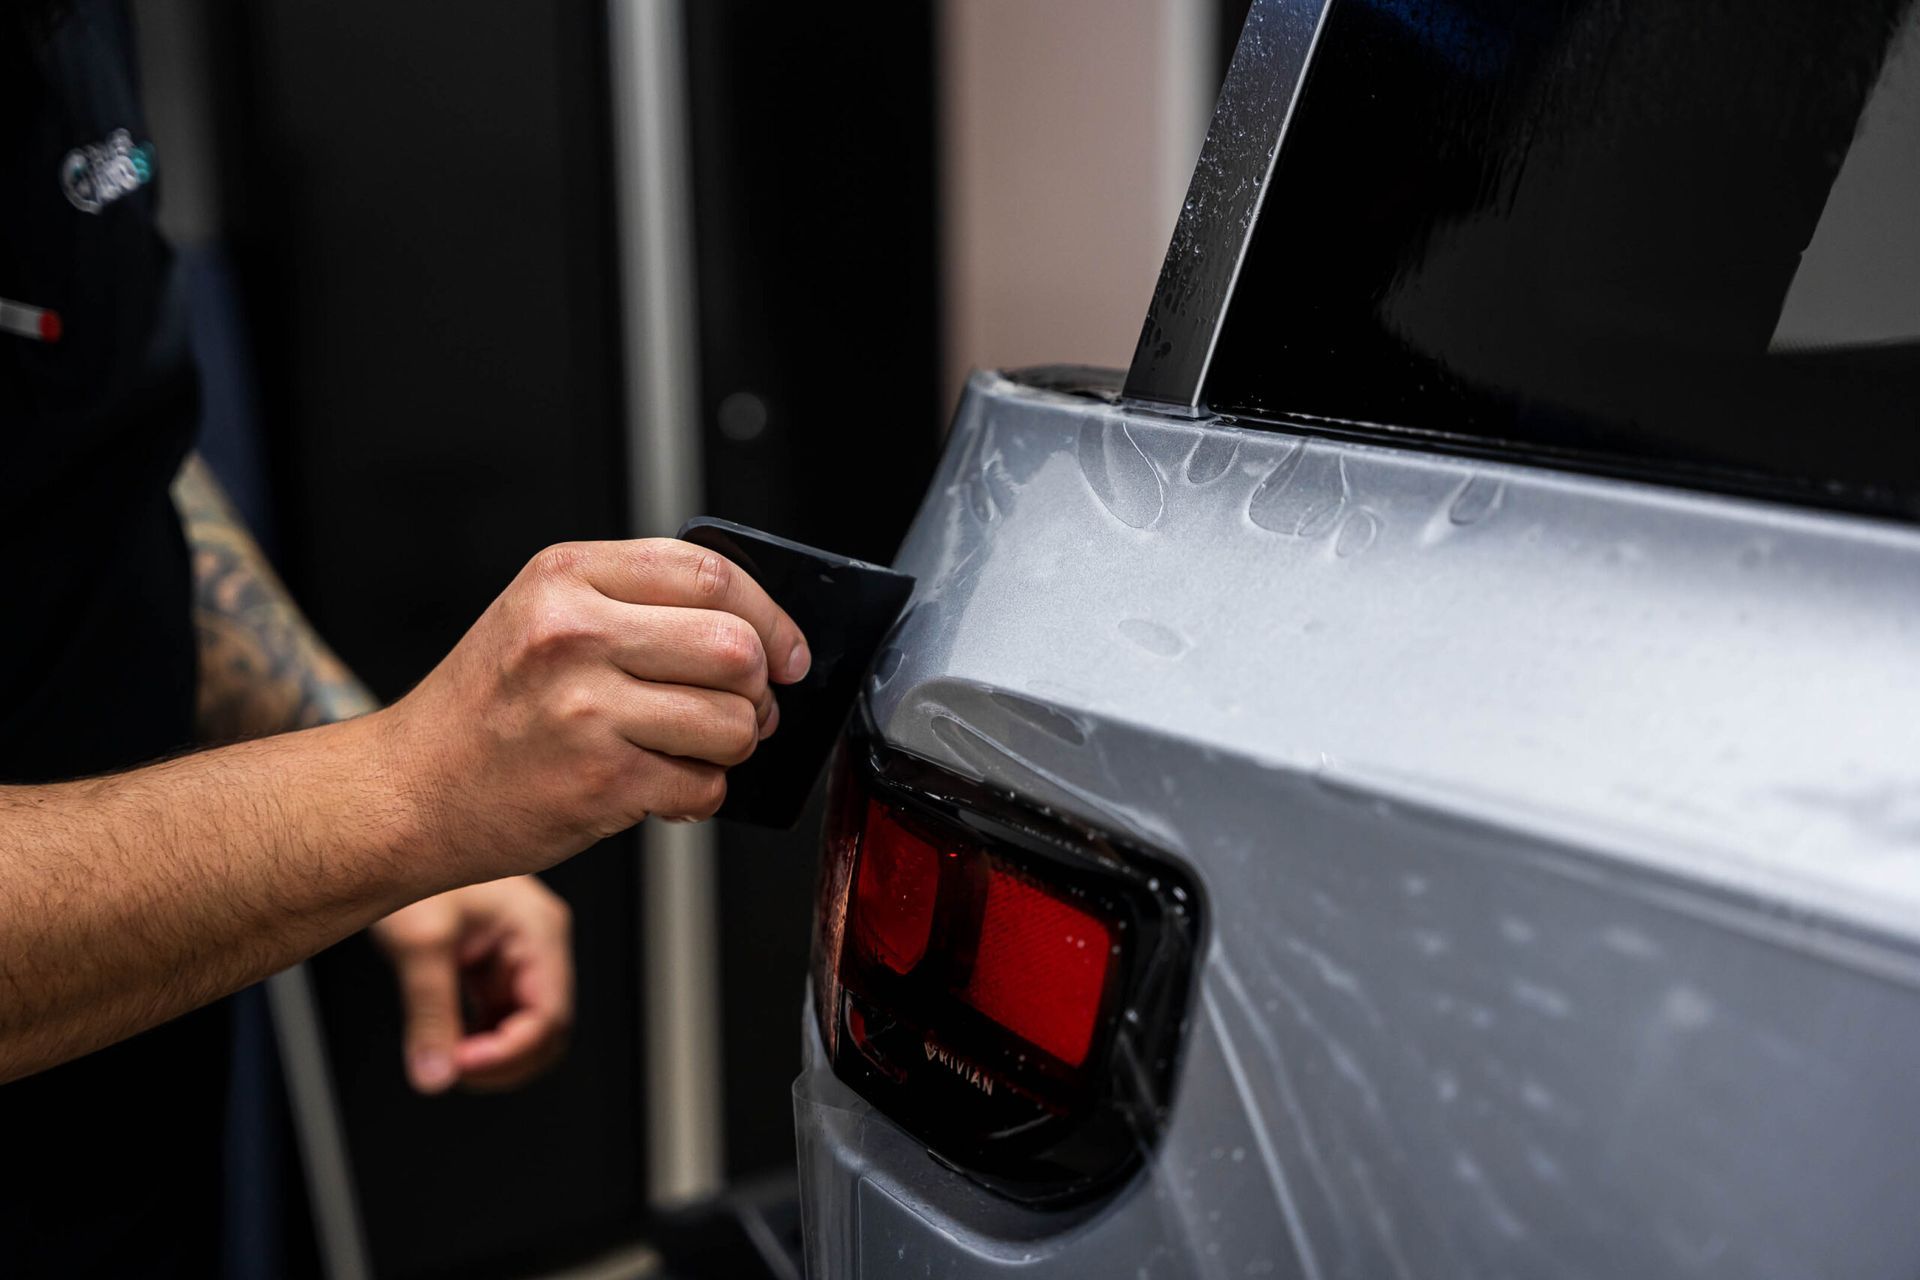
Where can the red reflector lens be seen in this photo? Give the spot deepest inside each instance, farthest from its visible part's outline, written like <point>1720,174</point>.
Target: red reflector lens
<point>894,893</point>
<point>1028,959</point>
<point>1041,967</point>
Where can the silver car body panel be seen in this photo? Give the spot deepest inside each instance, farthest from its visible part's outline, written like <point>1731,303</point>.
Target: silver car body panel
<point>1559,837</point>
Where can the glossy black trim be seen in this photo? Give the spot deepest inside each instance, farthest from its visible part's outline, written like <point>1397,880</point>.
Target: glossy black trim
<point>1598,237</point>
<point>1587,235</point>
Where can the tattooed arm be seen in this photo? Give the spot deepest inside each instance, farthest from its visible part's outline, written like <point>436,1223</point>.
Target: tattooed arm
<point>262,668</point>
<point>608,681</point>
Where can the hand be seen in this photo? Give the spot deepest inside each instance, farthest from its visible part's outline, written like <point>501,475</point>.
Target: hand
<point>502,948</point>
<point>609,681</point>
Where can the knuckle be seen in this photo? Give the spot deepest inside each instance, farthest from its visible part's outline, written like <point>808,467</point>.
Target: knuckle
<point>412,944</point>
<point>709,794</point>
<point>560,560</point>
<point>650,558</point>
<point>710,575</point>
<point>553,628</point>
<point>735,650</point>
<point>616,816</point>
<point>740,730</point>
<point>598,782</point>
<point>426,934</point>
<point>577,704</point>
<point>609,768</point>
<point>417,934</point>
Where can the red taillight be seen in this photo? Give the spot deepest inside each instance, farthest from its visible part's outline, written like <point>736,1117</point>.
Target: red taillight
<point>1026,958</point>
<point>1008,987</point>
<point>1040,967</point>
<point>894,892</point>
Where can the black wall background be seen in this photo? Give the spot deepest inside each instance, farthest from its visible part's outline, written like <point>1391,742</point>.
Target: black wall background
<point>814,155</point>
<point>421,215</point>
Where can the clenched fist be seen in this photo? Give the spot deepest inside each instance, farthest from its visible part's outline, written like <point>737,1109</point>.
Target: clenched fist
<point>609,681</point>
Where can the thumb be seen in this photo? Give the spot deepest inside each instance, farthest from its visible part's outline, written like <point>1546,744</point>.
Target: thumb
<point>430,993</point>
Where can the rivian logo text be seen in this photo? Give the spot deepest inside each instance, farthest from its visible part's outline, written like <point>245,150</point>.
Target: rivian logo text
<point>960,1067</point>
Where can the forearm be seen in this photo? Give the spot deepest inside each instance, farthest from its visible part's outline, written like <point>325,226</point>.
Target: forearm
<point>262,667</point>
<point>609,681</point>
<point>130,899</point>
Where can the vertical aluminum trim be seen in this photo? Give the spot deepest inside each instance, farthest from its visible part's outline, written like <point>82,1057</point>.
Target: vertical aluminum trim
<point>316,1121</point>
<point>680,954</point>
<point>1223,203</point>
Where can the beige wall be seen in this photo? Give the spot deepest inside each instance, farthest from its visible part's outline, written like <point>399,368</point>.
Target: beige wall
<point>1070,129</point>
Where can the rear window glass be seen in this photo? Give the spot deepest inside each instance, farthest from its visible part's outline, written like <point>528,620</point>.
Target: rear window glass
<point>1677,236</point>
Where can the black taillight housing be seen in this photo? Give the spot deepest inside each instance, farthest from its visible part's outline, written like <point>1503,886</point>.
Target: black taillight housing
<point>1008,986</point>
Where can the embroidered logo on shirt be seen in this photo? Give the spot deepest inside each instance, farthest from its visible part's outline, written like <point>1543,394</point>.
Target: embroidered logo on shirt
<point>96,175</point>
